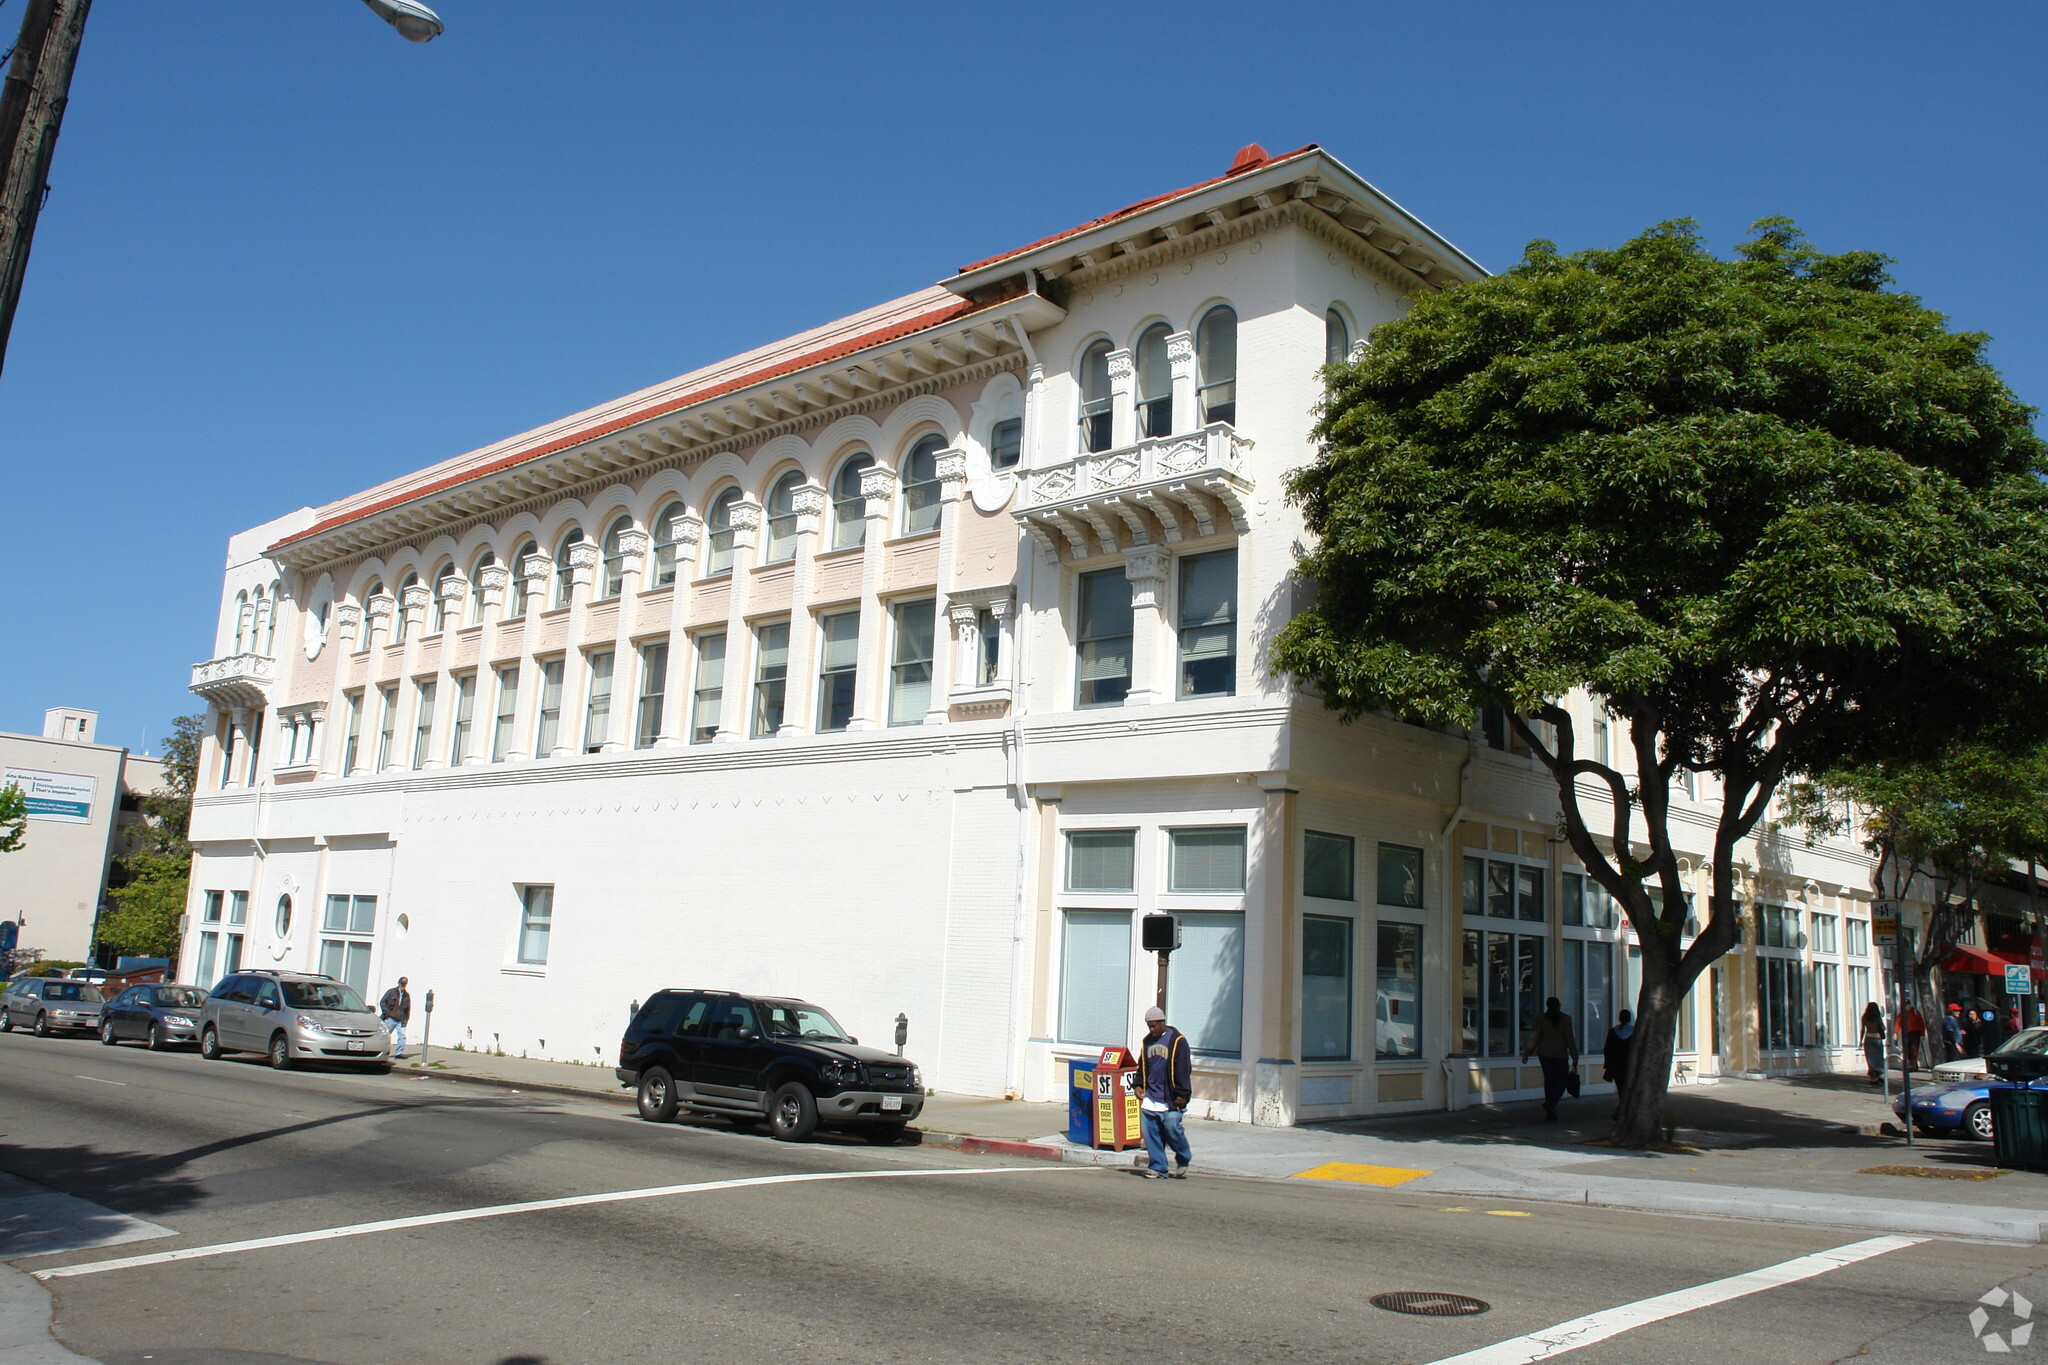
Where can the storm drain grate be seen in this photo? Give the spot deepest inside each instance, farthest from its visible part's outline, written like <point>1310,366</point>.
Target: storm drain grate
<point>1422,1303</point>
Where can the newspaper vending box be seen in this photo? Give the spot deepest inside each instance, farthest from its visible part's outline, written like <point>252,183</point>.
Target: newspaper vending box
<point>1117,1089</point>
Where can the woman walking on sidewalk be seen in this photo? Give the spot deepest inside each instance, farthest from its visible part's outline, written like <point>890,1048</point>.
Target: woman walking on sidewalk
<point>1873,1042</point>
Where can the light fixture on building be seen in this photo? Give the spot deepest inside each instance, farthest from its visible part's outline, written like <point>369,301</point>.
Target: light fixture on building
<point>415,22</point>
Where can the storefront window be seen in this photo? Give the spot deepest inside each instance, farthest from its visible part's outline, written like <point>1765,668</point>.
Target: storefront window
<point>1205,982</point>
<point>1095,977</point>
<point>1325,989</point>
<point>1397,995</point>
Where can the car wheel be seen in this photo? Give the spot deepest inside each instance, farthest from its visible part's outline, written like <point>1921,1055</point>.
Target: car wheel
<point>6,1021</point>
<point>1977,1120</point>
<point>107,1032</point>
<point>209,1044</point>
<point>42,1026</point>
<point>882,1134</point>
<point>280,1052</point>
<point>157,1042</point>
<point>657,1095</point>
<point>792,1113</point>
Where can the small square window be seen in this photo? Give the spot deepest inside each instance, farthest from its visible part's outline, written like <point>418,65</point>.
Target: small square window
<point>1401,876</point>
<point>1102,860</point>
<point>1326,866</point>
<point>1006,443</point>
<point>1207,859</point>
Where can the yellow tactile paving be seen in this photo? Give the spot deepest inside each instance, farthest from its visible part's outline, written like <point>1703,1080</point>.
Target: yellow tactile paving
<point>1360,1175</point>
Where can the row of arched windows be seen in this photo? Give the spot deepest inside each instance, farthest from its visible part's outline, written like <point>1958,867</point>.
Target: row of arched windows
<point>255,619</point>
<point>1215,379</point>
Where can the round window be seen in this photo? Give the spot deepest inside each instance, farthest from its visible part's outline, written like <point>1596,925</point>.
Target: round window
<point>284,916</point>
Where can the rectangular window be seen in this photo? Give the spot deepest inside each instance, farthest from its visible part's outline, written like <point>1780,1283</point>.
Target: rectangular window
<point>1401,876</point>
<point>1529,893</point>
<point>508,709</point>
<point>1600,744</point>
<point>1206,859</point>
<point>709,690</point>
<point>1503,890</point>
<point>1103,668</point>
<point>597,711</point>
<point>348,958</point>
<point>465,719</point>
<point>1781,1003</point>
<point>1205,982</point>
<point>548,726</point>
<point>536,919</point>
<point>988,631</point>
<point>910,666</point>
<point>347,961</point>
<point>238,907</point>
<point>423,721</point>
<point>1397,998</point>
<point>1859,990</point>
<point>1208,624</point>
<point>771,676</point>
<point>387,725</point>
<point>1501,989</point>
<point>1859,938</point>
<point>209,951</point>
<point>653,686</point>
<point>1095,977</point>
<point>352,741</point>
<point>1827,1004</point>
<point>1006,443</point>
<point>210,914</point>
<point>1102,860</point>
<point>1586,969</point>
<point>1325,989</point>
<point>838,661</point>
<point>1824,937</point>
<point>1327,866</point>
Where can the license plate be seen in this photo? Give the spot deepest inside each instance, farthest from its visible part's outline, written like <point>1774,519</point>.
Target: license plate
<point>356,1046</point>
<point>891,1103</point>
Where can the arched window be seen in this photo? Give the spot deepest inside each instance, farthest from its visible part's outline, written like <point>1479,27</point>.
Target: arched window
<point>399,628</point>
<point>565,583</point>
<point>921,504</point>
<point>440,605</point>
<point>484,561</point>
<point>522,594</point>
<point>614,581</point>
<point>1095,397</point>
<point>1216,357</point>
<point>266,617</point>
<point>665,545</point>
<point>782,517</point>
<point>719,527</point>
<point>1155,383</point>
<point>849,507</point>
<point>245,622</point>
<point>1336,338</point>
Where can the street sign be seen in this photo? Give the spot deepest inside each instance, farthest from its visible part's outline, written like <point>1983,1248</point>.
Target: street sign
<point>2019,979</point>
<point>1884,922</point>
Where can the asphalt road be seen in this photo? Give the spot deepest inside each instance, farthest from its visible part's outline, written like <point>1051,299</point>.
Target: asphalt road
<point>997,1261</point>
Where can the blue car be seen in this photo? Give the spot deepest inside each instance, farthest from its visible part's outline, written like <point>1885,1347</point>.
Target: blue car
<point>1960,1107</point>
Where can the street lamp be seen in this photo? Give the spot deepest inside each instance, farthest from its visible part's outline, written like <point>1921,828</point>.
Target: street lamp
<point>414,21</point>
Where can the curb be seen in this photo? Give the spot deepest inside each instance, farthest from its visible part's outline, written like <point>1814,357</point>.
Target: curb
<point>1035,1151</point>
<point>25,1337</point>
<point>517,1087</point>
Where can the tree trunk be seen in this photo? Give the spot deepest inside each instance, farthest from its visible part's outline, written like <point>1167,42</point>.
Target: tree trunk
<point>1647,1083</point>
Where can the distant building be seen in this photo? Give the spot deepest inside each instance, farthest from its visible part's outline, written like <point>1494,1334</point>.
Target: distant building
<point>83,798</point>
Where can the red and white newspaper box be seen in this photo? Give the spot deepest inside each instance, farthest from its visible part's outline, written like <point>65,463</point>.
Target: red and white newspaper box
<point>1118,1086</point>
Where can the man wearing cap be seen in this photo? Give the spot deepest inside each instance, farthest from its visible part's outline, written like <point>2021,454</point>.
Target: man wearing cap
<point>1167,1073</point>
<point>394,1011</point>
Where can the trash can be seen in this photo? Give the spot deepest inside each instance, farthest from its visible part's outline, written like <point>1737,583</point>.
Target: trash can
<point>2019,1126</point>
<point>1081,1101</point>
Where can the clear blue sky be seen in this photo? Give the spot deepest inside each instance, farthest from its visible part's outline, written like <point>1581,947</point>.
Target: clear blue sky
<point>289,255</point>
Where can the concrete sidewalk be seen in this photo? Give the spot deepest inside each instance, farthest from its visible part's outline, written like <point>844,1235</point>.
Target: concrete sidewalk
<point>1799,1150</point>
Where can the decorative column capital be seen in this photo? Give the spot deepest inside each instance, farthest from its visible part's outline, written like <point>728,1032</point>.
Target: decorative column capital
<point>963,615</point>
<point>1122,367</point>
<point>452,589</point>
<point>951,468</point>
<point>1144,563</point>
<point>632,546</point>
<point>348,617</point>
<point>492,580</point>
<point>415,599</point>
<point>536,567</point>
<point>380,607</point>
<point>877,487</point>
<point>745,516</point>
<point>808,502</point>
<point>686,530</point>
<point>583,560</point>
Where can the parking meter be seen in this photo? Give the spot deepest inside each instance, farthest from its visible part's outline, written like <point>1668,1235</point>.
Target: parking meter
<point>1117,1089</point>
<point>902,1032</point>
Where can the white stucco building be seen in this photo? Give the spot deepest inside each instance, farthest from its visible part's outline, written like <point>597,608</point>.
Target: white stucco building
<point>902,665</point>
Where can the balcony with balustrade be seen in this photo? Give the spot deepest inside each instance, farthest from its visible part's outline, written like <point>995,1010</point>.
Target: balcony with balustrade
<point>235,680</point>
<point>1168,488</point>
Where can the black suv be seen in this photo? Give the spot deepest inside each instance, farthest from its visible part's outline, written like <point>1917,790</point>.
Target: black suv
<point>747,1058</point>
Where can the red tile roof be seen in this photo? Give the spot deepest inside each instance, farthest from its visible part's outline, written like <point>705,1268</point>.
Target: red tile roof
<point>1244,164</point>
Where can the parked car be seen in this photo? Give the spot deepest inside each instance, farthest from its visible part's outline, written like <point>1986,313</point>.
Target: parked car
<point>160,1015</point>
<point>292,1017</point>
<point>2030,1044</point>
<point>51,1004</point>
<point>751,1059</point>
<point>1961,1108</point>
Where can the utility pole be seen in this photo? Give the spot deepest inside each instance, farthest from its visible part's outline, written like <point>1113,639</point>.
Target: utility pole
<point>31,108</point>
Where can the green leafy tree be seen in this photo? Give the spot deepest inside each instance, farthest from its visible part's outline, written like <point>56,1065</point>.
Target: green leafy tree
<point>1957,820</point>
<point>142,920</point>
<point>13,818</point>
<point>1773,515</point>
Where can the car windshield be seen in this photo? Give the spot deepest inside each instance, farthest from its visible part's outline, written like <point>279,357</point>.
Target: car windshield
<point>73,990</point>
<point>802,1021</point>
<point>2032,1040</point>
<point>323,995</point>
<point>185,997</point>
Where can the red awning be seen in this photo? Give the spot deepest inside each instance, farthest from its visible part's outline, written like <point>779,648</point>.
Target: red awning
<point>1962,959</point>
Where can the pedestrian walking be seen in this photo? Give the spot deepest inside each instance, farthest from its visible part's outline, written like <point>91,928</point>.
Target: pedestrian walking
<point>1952,1030</point>
<point>1554,1044</point>
<point>1973,1037</point>
<point>1873,1042</point>
<point>1167,1072</point>
<point>1614,1056</point>
<point>394,1011</point>
<point>1912,1027</point>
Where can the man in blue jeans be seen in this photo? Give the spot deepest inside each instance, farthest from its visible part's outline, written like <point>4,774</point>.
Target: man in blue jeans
<point>1167,1076</point>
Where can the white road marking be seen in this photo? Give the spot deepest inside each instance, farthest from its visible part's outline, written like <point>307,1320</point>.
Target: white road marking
<point>97,1080</point>
<point>531,1206</point>
<point>1552,1342</point>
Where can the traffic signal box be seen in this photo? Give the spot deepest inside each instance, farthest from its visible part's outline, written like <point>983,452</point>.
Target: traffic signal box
<point>1117,1088</point>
